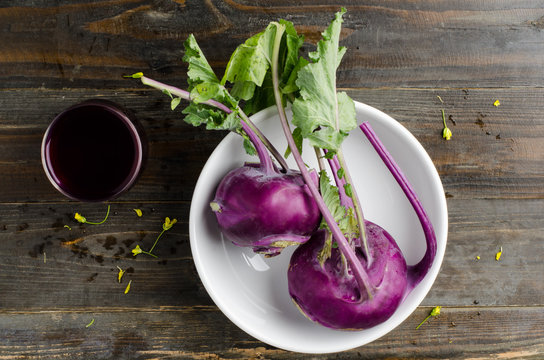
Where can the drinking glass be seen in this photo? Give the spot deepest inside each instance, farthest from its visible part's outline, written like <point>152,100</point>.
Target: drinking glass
<point>93,151</point>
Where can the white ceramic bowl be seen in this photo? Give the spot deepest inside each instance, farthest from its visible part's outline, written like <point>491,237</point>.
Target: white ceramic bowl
<point>251,290</point>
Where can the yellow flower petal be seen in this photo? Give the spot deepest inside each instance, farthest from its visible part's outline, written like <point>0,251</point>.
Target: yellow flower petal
<point>168,223</point>
<point>137,75</point>
<point>497,103</point>
<point>138,212</point>
<point>498,255</point>
<point>137,250</point>
<point>446,133</point>
<point>80,218</point>
<point>127,289</point>
<point>478,257</point>
<point>436,310</point>
<point>120,274</point>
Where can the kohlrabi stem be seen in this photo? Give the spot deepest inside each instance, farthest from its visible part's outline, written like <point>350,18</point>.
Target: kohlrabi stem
<point>319,156</point>
<point>356,205</point>
<point>184,94</point>
<point>419,270</point>
<point>358,271</point>
<point>264,158</point>
<point>340,181</point>
<point>263,139</point>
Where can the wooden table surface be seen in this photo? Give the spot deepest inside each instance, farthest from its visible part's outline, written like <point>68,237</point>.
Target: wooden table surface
<point>401,56</point>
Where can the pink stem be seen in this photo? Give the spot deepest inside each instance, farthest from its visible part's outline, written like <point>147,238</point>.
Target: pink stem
<point>419,270</point>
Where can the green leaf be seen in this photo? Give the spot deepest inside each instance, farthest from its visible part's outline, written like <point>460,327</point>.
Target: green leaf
<point>249,66</point>
<point>330,155</point>
<point>248,146</point>
<point>205,91</point>
<point>243,90</point>
<point>198,114</point>
<point>346,112</point>
<point>324,116</point>
<point>289,59</point>
<point>263,96</point>
<point>297,136</point>
<point>199,69</point>
<point>168,93</point>
<point>290,85</point>
<point>347,189</point>
<point>250,62</point>
<point>345,218</point>
<point>203,84</point>
<point>326,251</point>
<point>175,102</point>
<point>331,197</point>
<point>289,63</point>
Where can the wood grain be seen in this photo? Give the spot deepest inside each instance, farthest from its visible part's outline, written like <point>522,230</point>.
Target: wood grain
<point>184,333</point>
<point>88,44</point>
<point>80,265</point>
<point>496,152</point>
<point>409,59</point>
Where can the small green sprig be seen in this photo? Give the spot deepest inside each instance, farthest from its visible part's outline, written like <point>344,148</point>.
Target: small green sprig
<point>138,250</point>
<point>167,225</point>
<point>137,75</point>
<point>434,312</point>
<point>446,132</point>
<point>83,220</point>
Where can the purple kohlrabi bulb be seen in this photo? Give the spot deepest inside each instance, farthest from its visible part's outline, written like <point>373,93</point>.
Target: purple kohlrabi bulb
<point>265,210</point>
<point>330,295</point>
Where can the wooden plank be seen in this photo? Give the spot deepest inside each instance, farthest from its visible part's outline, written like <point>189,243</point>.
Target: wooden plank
<point>176,155</point>
<point>481,228</point>
<point>422,43</point>
<point>401,57</point>
<point>495,152</point>
<point>80,265</point>
<point>185,333</point>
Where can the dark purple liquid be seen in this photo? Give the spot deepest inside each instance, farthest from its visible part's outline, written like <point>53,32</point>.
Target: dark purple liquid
<point>91,152</point>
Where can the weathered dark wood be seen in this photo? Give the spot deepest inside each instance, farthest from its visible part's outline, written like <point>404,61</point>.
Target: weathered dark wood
<point>176,152</point>
<point>185,333</point>
<point>423,43</point>
<point>496,152</point>
<point>81,264</point>
<point>404,58</point>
